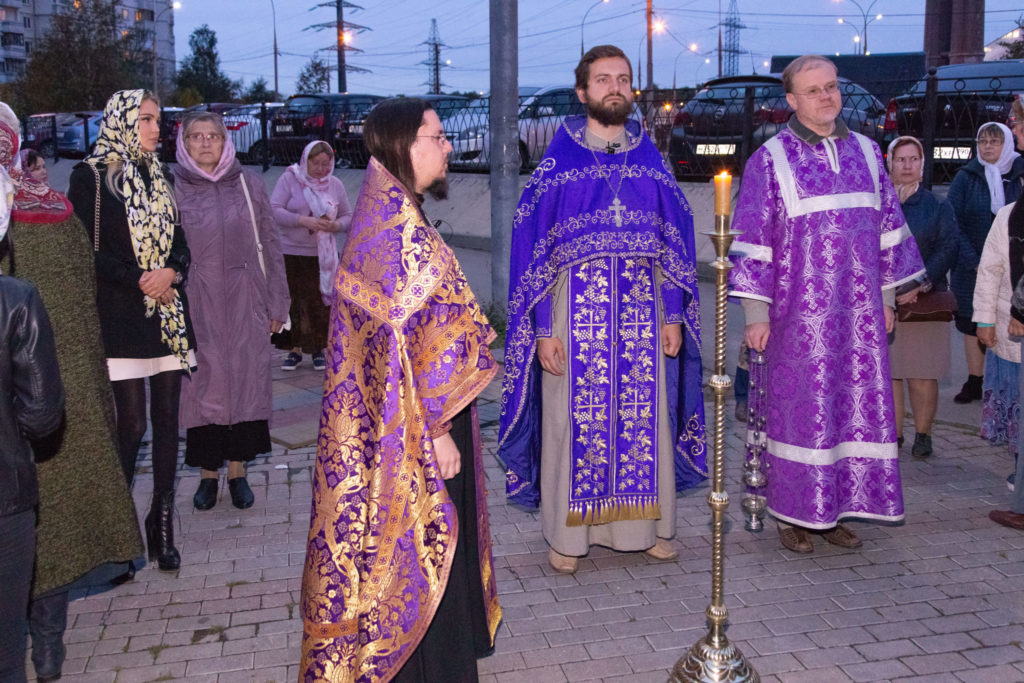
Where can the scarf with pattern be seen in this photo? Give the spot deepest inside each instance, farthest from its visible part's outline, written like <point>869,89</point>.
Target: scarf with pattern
<point>150,208</point>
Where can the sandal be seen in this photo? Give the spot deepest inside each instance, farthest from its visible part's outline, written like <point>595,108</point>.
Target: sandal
<point>563,564</point>
<point>662,551</point>
<point>796,539</point>
<point>842,537</point>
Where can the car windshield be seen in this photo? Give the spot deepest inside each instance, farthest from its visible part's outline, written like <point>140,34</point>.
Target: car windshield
<point>720,93</point>
<point>304,102</point>
<point>988,76</point>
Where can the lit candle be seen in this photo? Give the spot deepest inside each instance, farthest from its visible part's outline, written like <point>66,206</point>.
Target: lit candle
<point>723,193</point>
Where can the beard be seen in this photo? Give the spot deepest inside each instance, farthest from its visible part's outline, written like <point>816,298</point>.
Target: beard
<point>439,188</point>
<point>609,114</point>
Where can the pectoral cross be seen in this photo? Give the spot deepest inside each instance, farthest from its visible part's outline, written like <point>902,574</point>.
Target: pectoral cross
<point>617,208</point>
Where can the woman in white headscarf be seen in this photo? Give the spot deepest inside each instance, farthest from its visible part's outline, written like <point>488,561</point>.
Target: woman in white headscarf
<point>986,183</point>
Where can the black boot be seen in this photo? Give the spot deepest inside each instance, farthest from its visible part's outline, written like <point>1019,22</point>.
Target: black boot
<point>970,391</point>
<point>48,618</point>
<point>160,532</point>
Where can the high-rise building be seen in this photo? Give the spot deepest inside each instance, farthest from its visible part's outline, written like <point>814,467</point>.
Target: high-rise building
<point>23,23</point>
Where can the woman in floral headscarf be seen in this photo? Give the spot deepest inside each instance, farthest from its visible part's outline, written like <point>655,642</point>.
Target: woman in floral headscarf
<point>86,517</point>
<point>121,193</point>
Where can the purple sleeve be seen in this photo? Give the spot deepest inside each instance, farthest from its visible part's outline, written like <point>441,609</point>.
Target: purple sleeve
<point>759,213</point>
<point>344,208</point>
<point>278,299</point>
<point>671,303</point>
<point>542,317</point>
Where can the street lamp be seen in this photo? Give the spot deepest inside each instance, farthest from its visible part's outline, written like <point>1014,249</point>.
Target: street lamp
<point>273,16</point>
<point>599,2</point>
<point>696,73</point>
<point>866,19</point>
<point>156,19</point>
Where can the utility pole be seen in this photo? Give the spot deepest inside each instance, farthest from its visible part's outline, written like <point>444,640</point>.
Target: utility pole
<point>719,38</point>
<point>650,45</point>
<point>433,60</point>
<point>340,26</point>
<point>273,15</point>
<point>504,125</point>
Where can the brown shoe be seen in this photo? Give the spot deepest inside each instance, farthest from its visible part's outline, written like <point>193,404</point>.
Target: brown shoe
<point>796,539</point>
<point>563,564</point>
<point>842,537</point>
<point>662,550</point>
<point>1014,520</point>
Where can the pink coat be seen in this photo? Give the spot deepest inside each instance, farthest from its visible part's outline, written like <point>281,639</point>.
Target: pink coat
<point>289,205</point>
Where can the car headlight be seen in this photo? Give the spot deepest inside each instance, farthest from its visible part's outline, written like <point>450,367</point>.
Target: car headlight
<point>473,133</point>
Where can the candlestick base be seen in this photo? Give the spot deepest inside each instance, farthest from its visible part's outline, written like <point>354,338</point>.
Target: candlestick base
<point>707,663</point>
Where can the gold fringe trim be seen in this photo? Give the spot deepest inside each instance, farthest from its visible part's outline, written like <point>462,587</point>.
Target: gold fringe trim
<point>622,509</point>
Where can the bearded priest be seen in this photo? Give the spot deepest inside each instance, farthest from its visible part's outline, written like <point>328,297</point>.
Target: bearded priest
<point>602,420</point>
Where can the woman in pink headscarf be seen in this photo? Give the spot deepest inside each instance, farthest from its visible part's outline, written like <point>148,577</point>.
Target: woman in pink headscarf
<point>310,207</point>
<point>239,296</point>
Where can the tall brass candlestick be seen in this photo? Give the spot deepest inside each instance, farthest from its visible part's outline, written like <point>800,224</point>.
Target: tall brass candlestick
<point>713,659</point>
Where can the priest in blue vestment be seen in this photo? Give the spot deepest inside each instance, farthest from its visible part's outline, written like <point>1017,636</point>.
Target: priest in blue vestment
<point>602,420</point>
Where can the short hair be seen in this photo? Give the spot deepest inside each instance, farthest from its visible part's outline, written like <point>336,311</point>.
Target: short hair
<point>594,54</point>
<point>990,130</point>
<point>389,133</point>
<point>193,117</point>
<point>800,64</point>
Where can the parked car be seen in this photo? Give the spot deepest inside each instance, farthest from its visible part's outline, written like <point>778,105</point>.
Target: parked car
<point>42,131</point>
<point>337,118</point>
<point>967,96</point>
<point>244,127</point>
<point>78,134</point>
<point>708,133</point>
<point>446,106</point>
<point>540,114</point>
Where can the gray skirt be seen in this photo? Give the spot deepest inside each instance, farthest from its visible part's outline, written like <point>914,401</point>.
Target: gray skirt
<point>920,351</point>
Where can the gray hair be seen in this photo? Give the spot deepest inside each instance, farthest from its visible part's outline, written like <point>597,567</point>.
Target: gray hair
<point>194,117</point>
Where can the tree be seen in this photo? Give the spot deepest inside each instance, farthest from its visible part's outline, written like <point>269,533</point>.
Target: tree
<point>259,92</point>
<point>1015,48</point>
<point>200,69</point>
<point>80,61</point>
<point>314,77</point>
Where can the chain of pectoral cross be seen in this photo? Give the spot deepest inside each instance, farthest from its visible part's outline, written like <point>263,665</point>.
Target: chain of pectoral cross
<point>616,208</point>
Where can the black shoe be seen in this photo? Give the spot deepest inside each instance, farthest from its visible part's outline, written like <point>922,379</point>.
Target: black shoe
<point>922,446</point>
<point>160,532</point>
<point>899,442</point>
<point>48,619</point>
<point>128,575</point>
<point>970,391</point>
<point>241,494</point>
<point>206,494</point>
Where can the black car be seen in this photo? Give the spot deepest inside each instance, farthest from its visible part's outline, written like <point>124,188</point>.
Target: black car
<point>965,97</point>
<point>731,117</point>
<point>335,118</point>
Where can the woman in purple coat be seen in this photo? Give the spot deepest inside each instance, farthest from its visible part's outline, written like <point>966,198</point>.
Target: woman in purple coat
<point>238,298</point>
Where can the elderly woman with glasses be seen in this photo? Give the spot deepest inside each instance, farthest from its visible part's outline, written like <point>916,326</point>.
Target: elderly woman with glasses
<point>311,207</point>
<point>986,183</point>
<point>236,285</point>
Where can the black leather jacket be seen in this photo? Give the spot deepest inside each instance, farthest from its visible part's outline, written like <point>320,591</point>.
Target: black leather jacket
<point>31,393</point>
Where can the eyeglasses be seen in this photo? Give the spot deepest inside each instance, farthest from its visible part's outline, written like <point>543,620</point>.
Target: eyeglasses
<point>830,90</point>
<point>439,138</point>
<point>204,137</point>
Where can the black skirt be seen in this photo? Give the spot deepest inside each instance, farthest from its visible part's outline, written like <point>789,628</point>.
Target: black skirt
<point>310,318</point>
<point>209,446</point>
<point>458,635</point>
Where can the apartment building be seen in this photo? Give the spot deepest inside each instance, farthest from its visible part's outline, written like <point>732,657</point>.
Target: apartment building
<point>24,22</point>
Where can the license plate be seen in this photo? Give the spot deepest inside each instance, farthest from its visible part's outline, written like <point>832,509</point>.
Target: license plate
<point>356,130</point>
<point>961,153</point>
<point>282,129</point>
<point>716,149</point>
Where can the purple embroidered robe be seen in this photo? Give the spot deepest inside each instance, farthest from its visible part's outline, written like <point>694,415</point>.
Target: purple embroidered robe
<point>608,223</point>
<point>822,235</point>
<point>407,351</point>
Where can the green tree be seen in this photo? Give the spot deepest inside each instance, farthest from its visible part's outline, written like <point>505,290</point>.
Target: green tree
<point>259,92</point>
<point>314,77</point>
<point>200,69</point>
<point>1015,48</point>
<point>80,61</point>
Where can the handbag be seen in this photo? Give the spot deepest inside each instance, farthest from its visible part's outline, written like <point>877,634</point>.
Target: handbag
<point>933,306</point>
<point>259,244</point>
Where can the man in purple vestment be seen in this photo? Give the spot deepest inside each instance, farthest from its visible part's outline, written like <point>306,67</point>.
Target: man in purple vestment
<point>824,246</point>
<point>601,417</point>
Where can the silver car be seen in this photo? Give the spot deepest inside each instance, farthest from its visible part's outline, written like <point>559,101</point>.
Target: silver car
<point>246,132</point>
